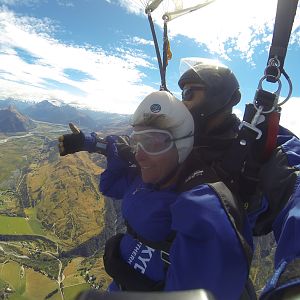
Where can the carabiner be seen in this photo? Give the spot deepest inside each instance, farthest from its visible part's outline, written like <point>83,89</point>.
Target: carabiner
<point>276,93</point>
<point>272,70</point>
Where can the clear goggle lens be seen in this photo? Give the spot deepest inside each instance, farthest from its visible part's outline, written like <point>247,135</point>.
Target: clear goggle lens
<point>152,141</point>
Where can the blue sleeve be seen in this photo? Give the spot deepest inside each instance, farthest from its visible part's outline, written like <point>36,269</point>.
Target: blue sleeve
<point>206,252</point>
<point>286,228</point>
<point>118,176</point>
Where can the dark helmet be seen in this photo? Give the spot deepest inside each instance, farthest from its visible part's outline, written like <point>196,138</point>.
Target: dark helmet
<point>221,86</point>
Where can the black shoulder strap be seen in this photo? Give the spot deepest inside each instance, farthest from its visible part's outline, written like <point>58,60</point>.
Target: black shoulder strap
<point>235,214</point>
<point>161,245</point>
<point>285,14</point>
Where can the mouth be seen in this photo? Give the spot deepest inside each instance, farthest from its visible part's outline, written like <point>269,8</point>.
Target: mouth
<point>145,168</point>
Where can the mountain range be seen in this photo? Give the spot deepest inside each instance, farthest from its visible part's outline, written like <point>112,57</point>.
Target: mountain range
<point>13,121</point>
<point>48,111</point>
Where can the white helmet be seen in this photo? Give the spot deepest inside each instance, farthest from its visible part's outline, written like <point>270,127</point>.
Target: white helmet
<point>162,110</point>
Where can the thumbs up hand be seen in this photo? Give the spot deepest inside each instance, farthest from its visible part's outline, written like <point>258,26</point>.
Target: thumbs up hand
<point>71,143</point>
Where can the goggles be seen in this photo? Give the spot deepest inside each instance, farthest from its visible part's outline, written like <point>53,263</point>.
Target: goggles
<point>152,141</point>
<point>188,93</point>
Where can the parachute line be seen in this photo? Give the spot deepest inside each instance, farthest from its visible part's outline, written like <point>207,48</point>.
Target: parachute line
<point>152,5</point>
<point>160,64</point>
<point>180,12</point>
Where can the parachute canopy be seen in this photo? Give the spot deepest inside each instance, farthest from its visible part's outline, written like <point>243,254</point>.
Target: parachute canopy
<point>175,8</point>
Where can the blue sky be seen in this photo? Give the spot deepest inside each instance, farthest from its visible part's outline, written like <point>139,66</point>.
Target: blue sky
<point>100,54</point>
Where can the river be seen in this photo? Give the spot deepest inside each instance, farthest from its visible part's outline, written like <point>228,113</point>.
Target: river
<point>15,137</point>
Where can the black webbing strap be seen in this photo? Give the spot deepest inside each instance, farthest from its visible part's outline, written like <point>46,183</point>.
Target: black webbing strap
<point>235,214</point>
<point>285,14</point>
<point>164,246</point>
<point>252,147</point>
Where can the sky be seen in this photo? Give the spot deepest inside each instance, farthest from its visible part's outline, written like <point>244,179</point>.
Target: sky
<point>100,54</point>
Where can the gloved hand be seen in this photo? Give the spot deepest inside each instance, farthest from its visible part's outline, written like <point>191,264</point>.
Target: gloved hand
<point>118,146</point>
<point>124,150</point>
<point>71,143</point>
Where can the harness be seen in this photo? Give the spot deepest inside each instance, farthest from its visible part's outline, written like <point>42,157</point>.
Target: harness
<point>130,279</point>
<point>257,137</point>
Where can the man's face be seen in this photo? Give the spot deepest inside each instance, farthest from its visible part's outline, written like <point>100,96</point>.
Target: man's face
<point>193,95</point>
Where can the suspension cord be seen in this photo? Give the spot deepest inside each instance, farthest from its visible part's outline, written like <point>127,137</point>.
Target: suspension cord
<point>160,65</point>
<point>165,56</point>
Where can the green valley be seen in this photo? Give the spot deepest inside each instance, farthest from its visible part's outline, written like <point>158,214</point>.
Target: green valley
<point>49,207</point>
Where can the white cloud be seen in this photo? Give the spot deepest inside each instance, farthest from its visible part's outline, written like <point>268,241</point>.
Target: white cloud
<point>141,41</point>
<point>290,115</point>
<point>223,26</point>
<point>238,113</point>
<point>66,3</point>
<point>114,82</point>
<point>18,2</point>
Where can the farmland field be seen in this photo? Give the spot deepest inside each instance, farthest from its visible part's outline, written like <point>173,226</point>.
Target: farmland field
<point>14,225</point>
<point>72,291</point>
<point>26,283</point>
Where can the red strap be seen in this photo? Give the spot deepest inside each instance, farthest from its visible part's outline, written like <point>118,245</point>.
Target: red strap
<point>271,140</point>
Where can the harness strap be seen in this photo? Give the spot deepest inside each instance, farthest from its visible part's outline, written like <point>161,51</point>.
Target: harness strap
<point>285,14</point>
<point>164,246</point>
<point>235,215</point>
<point>271,137</point>
<point>253,146</point>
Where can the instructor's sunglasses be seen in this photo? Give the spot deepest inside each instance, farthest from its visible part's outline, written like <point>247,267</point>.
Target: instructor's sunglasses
<point>188,93</point>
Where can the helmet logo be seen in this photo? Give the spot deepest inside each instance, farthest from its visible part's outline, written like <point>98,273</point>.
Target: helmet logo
<point>155,108</point>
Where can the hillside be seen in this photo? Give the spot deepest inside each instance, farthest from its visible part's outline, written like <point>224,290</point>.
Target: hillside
<point>50,205</point>
<point>13,121</point>
<point>67,199</point>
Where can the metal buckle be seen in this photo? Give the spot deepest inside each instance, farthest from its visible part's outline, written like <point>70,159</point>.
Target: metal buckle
<point>252,127</point>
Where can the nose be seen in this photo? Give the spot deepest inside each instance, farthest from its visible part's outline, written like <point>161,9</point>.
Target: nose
<point>140,154</point>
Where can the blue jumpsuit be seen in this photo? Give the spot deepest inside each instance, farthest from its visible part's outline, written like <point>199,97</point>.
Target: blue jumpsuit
<point>206,252</point>
<point>281,174</point>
